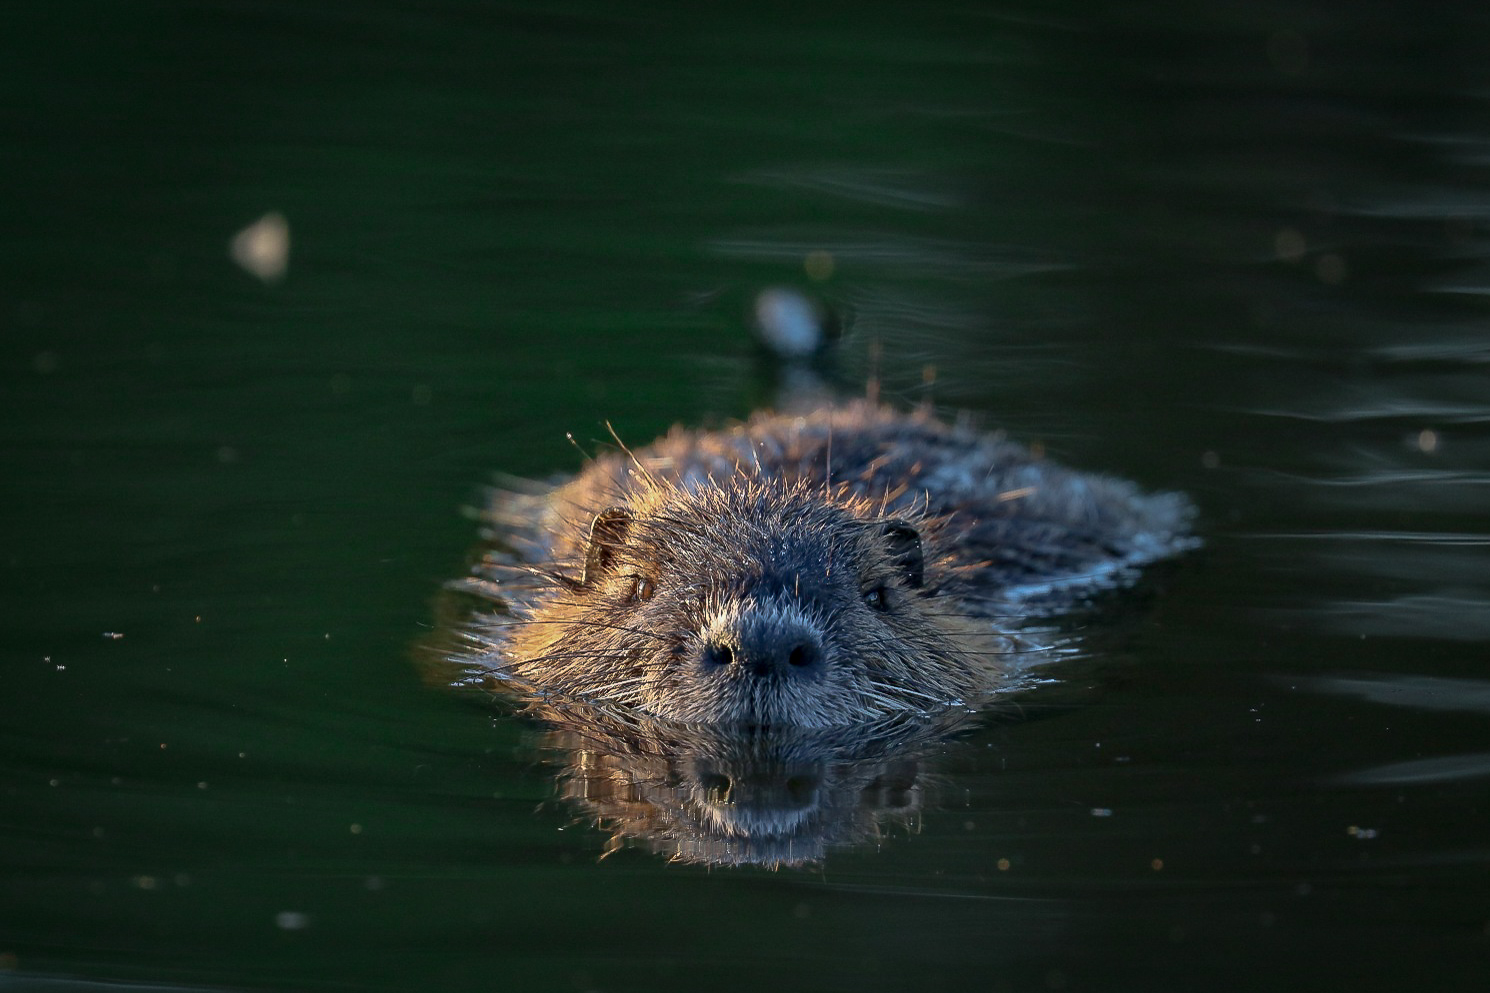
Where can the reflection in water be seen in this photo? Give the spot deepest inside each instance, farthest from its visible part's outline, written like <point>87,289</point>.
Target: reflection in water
<point>723,794</point>
<point>741,795</point>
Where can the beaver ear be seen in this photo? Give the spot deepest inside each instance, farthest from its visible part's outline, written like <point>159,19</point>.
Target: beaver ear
<point>607,532</point>
<point>904,544</point>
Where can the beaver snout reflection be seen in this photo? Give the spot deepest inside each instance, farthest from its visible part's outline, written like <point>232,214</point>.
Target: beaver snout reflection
<point>724,795</point>
<point>778,790</point>
<point>810,571</point>
<point>760,805</point>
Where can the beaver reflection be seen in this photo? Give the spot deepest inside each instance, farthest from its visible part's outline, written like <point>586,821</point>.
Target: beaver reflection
<point>741,796</point>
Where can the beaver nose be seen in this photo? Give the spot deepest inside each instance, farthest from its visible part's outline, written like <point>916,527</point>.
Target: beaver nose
<point>766,646</point>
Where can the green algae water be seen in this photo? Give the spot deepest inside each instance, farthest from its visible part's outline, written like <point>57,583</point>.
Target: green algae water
<point>1233,250</point>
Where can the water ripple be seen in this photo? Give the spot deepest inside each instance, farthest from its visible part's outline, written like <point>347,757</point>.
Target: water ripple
<point>1460,539</point>
<point>934,256</point>
<point>1419,692</point>
<point>1445,618</point>
<point>900,189</point>
<point>1447,768</point>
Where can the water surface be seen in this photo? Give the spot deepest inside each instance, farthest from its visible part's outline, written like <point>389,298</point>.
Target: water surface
<point>1234,250</point>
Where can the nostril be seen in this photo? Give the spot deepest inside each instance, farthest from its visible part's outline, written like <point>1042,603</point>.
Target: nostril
<point>761,646</point>
<point>801,788</point>
<point>716,788</point>
<point>805,655</point>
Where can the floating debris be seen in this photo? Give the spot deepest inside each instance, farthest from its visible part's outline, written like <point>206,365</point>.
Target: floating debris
<point>263,248</point>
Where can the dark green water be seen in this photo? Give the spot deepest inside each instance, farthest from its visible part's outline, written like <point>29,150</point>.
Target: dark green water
<point>1233,249</point>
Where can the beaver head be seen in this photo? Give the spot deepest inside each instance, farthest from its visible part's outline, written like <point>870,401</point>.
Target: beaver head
<point>758,602</point>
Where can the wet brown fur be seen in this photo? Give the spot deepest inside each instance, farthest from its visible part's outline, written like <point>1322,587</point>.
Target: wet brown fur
<point>892,554</point>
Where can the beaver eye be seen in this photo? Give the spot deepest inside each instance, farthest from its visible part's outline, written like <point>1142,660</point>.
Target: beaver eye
<point>877,598</point>
<point>641,589</point>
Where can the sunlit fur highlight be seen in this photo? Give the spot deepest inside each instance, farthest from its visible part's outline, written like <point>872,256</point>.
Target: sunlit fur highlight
<point>782,518</point>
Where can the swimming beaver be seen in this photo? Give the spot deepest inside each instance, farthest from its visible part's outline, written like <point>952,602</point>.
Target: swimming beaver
<point>810,571</point>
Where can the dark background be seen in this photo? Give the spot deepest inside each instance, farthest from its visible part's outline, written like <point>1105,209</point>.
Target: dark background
<point>1232,248</point>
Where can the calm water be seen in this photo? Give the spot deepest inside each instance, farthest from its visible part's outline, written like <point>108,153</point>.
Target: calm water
<point>1238,250</point>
